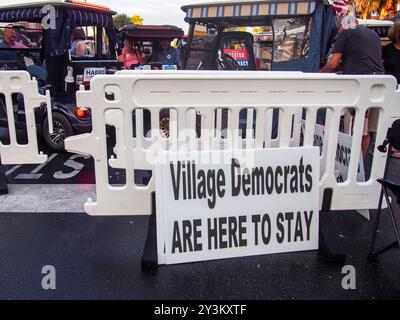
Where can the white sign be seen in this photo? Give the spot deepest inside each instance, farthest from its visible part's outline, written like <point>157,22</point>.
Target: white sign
<point>144,67</point>
<point>209,210</point>
<point>170,67</point>
<point>343,155</point>
<point>89,73</point>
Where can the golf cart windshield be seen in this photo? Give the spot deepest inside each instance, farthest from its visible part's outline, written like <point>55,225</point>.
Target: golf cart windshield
<point>202,46</point>
<point>146,41</point>
<point>287,39</point>
<point>18,41</point>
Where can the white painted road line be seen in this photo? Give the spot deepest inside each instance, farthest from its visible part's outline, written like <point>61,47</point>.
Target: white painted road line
<point>46,198</point>
<point>34,175</point>
<point>12,170</point>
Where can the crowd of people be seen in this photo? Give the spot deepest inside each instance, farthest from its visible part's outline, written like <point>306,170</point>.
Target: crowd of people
<point>357,50</point>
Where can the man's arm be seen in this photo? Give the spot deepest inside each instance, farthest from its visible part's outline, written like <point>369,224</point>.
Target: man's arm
<point>332,64</point>
<point>338,50</point>
<point>80,49</point>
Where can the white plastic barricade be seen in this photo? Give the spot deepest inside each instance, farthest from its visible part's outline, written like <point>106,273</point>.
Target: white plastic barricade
<point>191,95</point>
<point>19,82</point>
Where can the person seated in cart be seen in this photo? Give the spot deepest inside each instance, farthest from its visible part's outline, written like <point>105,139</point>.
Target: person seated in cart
<point>78,45</point>
<point>153,45</point>
<point>9,42</point>
<point>131,56</point>
<point>165,54</point>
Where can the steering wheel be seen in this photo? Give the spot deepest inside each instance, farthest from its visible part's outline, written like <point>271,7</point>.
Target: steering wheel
<point>227,62</point>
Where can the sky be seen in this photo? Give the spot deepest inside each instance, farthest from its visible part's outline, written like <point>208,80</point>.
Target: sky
<point>153,11</point>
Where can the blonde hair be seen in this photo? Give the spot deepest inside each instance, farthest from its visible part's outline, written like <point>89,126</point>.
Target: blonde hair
<point>394,32</point>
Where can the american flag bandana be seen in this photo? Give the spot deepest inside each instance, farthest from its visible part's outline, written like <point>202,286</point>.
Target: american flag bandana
<point>340,7</point>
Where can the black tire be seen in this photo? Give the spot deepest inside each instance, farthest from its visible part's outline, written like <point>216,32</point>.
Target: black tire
<point>62,130</point>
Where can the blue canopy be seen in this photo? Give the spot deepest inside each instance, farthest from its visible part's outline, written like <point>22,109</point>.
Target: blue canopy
<point>322,31</point>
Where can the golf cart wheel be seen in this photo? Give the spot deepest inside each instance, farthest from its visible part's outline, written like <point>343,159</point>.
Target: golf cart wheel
<point>62,129</point>
<point>164,127</point>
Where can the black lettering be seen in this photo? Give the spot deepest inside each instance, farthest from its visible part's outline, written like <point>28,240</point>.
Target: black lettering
<point>242,231</point>
<point>235,187</point>
<point>184,181</point>
<point>221,183</point>
<point>257,179</point>
<point>308,218</point>
<point>212,234</point>
<point>246,182</point>
<point>211,189</point>
<point>289,216</point>
<point>301,173</point>
<point>338,153</point>
<point>287,171</point>
<point>194,180</point>
<point>266,229</point>
<point>176,180</point>
<point>256,220</point>
<point>201,187</point>
<point>176,239</point>
<point>187,234</point>
<point>233,228</point>
<point>222,232</point>
<point>280,236</point>
<point>189,176</point>
<point>299,229</point>
<point>270,180</point>
<point>197,235</point>
<point>309,179</point>
<point>278,187</point>
<point>294,182</point>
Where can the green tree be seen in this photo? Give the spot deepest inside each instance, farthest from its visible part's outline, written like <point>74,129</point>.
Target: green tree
<point>121,20</point>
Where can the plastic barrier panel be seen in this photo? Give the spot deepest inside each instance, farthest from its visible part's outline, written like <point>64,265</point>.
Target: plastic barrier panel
<point>17,85</point>
<point>203,111</point>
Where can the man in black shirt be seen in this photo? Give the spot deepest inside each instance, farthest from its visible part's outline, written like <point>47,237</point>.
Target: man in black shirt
<point>357,50</point>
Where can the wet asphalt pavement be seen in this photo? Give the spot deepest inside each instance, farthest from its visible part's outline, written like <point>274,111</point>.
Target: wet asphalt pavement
<point>100,258</point>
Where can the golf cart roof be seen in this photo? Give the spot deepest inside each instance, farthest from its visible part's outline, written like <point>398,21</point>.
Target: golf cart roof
<point>151,32</point>
<point>33,11</point>
<point>243,11</point>
<point>375,23</point>
<point>381,27</point>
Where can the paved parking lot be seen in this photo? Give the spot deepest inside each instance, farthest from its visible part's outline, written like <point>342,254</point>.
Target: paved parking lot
<point>100,258</point>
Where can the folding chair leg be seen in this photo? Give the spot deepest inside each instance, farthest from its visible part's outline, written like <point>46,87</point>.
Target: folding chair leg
<point>371,254</point>
<point>394,223</point>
